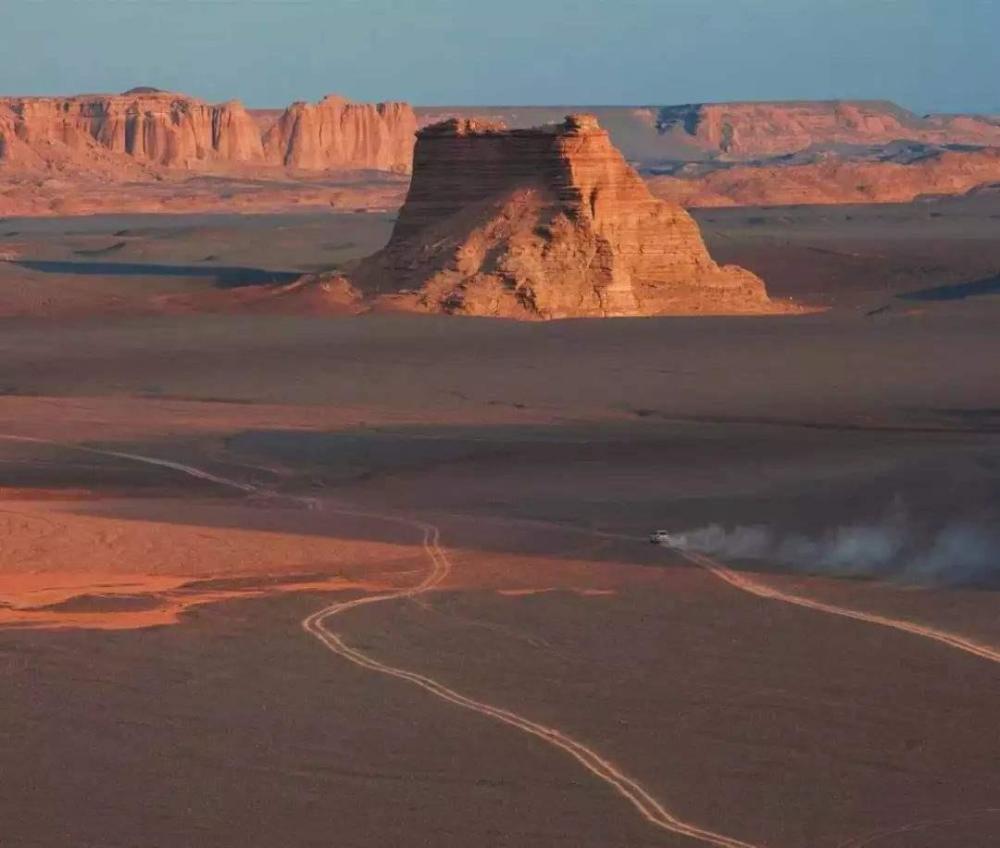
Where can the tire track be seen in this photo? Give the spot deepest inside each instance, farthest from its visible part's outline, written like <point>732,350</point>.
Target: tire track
<point>315,624</point>
<point>741,581</point>
<point>647,806</point>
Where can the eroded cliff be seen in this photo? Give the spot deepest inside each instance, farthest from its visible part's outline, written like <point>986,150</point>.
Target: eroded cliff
<point>544,223</point>
<point>156,129</point>
<point>756,130</point>
<point>335,134</point>
<point>833,179</point>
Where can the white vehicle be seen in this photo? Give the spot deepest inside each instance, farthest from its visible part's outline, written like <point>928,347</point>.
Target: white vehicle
<point>663,537</point>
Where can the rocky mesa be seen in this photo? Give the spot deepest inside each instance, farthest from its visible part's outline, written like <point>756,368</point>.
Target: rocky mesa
<point>338,134</point>
<point>832,179</point>
<point>154,129</point>
<point>544,223</point>
<point>767,129</point>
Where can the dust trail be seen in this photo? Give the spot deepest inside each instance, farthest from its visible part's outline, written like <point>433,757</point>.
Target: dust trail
<point>315,624</point>
<point>747,584</point>
<point>960,552</point>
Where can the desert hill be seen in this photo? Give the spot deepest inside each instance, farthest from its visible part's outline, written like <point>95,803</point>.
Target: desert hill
<point>548,222</point>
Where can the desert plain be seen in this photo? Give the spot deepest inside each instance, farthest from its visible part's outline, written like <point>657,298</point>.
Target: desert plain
<point>271,576</point>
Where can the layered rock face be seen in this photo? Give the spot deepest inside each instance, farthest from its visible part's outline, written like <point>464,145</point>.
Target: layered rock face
<point>160,129</point>
<point>336,133</point>
<point>754,130</point>
<point>544,223</point>
<point>150,128</point>
<point>834,179</point>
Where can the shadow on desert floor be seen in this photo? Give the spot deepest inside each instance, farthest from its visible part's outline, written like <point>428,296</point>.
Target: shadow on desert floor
<point>955,291</point>
<point>536,489</point>
<point>225,277</point>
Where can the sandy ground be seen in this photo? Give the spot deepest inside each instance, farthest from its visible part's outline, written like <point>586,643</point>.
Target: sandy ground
<point>172,192</point>
<point>160,689</point>
<point>864,256</point>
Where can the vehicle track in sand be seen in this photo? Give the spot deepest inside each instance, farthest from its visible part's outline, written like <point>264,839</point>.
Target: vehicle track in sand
<point>745,583</point>
<point>627,787</point>
<point>741,581</point>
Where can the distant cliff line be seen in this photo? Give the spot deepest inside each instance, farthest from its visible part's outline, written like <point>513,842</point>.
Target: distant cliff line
<point>154,129</point>
<point>651,135</point>
<point>148,128</point>
<point>65,155</point>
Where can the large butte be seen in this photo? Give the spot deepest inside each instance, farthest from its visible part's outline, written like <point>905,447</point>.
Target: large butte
<point>544,223</point>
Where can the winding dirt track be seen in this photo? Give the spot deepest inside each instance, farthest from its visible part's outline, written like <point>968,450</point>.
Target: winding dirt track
<point>315,624</point>
<point>646,805</point>
<point>747,584</point>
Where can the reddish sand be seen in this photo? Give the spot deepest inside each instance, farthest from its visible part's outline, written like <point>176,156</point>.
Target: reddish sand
<point>111,602</point>
<point>456,511</point>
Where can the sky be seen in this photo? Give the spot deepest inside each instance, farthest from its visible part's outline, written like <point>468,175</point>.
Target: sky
<point>927,55</point>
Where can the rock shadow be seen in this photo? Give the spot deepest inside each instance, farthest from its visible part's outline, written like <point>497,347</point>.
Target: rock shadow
<point>955,291</point>
<point>223,277</point>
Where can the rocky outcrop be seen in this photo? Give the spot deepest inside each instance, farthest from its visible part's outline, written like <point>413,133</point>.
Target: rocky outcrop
<point>152,128</point>
<point>336,134</point>
<point>544,223</point>
<point>157,129</point>
<point>832,180</point>
<point>756,130</point>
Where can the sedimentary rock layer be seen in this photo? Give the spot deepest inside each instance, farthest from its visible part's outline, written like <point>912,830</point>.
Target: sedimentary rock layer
<point>150,128</point>
<point>544,223</point>
<point>754,130</point>
<point>832,180</point>
<point>159,129</point>
<point>336,133</point>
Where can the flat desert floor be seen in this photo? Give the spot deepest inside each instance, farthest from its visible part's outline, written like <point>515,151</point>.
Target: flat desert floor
<point>296,580</point>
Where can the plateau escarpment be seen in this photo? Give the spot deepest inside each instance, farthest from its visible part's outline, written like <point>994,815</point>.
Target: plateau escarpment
<point>336,133</point>
<point>154,129</point>
<point>71,155</point>
<point>149,128</point>
<point>756,130</point>
<point>544,223</point>
<point>832,179</point>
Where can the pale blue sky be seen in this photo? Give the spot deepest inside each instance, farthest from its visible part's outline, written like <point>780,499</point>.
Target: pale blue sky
<point>939,55</point>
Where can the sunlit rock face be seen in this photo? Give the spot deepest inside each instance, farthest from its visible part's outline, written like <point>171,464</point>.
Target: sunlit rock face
<point>336,134</point>
<point>544,223</point>
<point>162,129</point>
<point>154,128</point>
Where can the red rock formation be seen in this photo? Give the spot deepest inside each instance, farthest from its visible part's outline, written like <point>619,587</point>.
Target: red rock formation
<point>754,130</point>
<point>832,180</point>
<point>544,223</point>
<point>151,128</point>
<point>164,130</point>
<point>336,134</point>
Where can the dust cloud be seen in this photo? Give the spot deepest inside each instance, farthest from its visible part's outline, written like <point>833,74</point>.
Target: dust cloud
<point>958,552</point>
